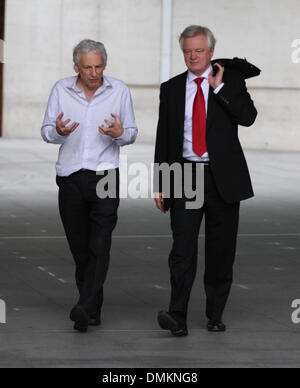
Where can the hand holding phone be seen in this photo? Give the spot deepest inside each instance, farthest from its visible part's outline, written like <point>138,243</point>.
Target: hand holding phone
<point>215,70</point>
<point>215,78</point>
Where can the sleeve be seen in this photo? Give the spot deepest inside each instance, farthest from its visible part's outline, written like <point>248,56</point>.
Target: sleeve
<point>216,91</point>
<point>48,130</point>
<point>236,100</point>
<point>161,133</point>
<point>161,144</point>
<point>128,120</point>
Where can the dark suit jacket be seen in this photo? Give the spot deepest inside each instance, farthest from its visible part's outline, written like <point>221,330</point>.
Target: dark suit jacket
<point>231,107</point>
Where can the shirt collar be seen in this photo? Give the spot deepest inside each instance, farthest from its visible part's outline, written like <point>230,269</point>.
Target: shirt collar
<point>73,81</point>
<point>191,76</point>
<point>105,84</point>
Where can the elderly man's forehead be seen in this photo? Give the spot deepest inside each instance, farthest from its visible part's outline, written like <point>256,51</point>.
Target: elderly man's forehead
<point>197,39</point>
<point>91,56</point>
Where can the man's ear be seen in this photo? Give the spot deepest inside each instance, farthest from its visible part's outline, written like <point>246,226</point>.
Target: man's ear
<point>76,68</point>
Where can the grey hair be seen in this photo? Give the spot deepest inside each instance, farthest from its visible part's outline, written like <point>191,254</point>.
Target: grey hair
<point>86,46</point>
<point>194,30</point>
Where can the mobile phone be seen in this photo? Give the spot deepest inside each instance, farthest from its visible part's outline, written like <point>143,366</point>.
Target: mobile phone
<point>215,70</point>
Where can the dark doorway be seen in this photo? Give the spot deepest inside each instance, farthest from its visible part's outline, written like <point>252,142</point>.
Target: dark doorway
<point>2,10</point>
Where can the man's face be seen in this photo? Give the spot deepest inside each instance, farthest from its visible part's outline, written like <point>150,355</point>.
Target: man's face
<point>196,53</point>
<point>90,68</point>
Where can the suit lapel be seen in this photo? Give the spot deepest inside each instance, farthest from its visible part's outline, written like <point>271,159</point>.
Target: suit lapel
<point>210,109</point>
<point>180,92</point>
<point>180,97</point>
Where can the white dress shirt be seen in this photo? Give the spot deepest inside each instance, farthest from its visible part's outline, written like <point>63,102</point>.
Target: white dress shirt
<point>86,147</point>
<point>191,90</point>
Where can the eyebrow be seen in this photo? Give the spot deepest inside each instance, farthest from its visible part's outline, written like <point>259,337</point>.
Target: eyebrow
<point>197,49</point>
<point>102,64</point>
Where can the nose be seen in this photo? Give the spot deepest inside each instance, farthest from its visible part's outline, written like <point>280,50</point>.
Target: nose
<point>193,55</point>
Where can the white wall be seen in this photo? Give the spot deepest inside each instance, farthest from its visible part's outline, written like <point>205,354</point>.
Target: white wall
<point>40,35</point>
<point>262,31</point>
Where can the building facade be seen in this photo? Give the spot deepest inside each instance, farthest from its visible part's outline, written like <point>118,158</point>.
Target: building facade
<point>141,38</point>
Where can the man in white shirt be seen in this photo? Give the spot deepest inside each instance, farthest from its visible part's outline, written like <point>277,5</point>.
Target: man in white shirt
<point>91,116</point>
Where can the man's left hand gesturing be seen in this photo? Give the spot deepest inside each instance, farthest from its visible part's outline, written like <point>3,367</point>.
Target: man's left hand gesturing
<point>114,129</point>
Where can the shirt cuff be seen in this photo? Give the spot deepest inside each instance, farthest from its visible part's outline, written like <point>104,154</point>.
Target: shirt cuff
<point>50,135</point>
<point>216,91</point>
<point>121,140</point>
<point>122,137</point>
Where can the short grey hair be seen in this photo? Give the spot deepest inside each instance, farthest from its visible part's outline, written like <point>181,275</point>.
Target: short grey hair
<point>194,30</point>
<point>86,46</point>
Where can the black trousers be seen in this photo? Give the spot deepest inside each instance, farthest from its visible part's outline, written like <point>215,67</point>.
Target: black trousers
<point>221,227</point>
<point>88,222</point>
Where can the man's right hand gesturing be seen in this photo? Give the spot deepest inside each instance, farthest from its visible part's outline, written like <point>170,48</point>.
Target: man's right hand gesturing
<point>61,128</point>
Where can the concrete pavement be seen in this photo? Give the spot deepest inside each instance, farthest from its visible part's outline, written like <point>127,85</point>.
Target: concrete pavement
<point>37,275</point>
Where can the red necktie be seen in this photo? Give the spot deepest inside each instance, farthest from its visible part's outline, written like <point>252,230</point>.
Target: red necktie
<point>199,121</point>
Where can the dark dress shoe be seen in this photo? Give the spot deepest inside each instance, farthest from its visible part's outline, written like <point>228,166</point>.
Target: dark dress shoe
<point>216,327</point>
<point>80,317</point>
<point>168,321</point>
<point>94,322</point>
<point>81,328</point>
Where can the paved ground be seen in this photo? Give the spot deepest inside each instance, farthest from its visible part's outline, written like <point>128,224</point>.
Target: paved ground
<point>36,275</point>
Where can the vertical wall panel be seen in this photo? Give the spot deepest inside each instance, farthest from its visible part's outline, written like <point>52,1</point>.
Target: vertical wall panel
<point>2,18</point>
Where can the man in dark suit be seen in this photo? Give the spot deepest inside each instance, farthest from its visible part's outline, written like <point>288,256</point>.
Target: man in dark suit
<point>198,123</point>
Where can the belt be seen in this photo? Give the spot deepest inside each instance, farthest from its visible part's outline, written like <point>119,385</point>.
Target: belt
<point>82,170</point>
<point>86,170</point>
